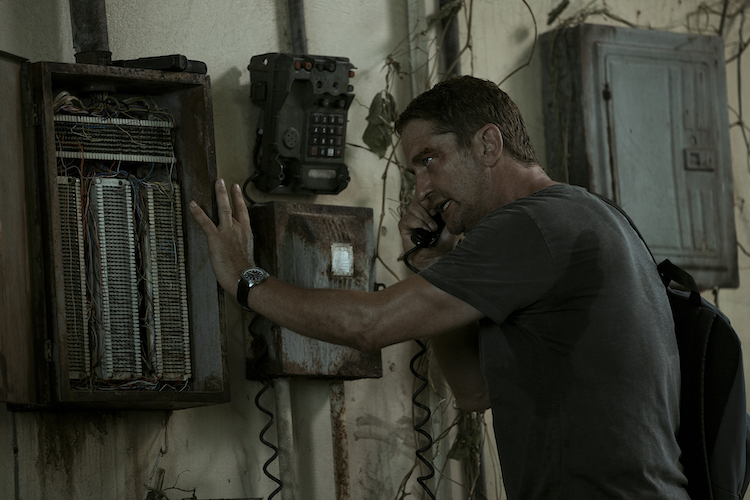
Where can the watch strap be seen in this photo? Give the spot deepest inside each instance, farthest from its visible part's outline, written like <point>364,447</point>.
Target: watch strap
<point>250,277</point>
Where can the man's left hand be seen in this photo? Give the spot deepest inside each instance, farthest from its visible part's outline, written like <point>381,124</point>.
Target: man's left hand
<point>230,244</point>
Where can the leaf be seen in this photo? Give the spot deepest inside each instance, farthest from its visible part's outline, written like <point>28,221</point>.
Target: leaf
<point>382,111</point>
<point>393,65</point>
<point>377,138</point>
<point>377,135</point>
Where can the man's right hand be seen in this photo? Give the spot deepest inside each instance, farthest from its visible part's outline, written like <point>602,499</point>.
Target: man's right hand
<point>416,216</point>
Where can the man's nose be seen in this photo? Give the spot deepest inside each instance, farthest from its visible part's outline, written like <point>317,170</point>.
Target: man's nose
<point>422,187</point>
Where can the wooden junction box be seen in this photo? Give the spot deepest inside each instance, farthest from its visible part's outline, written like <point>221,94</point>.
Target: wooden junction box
<point>313,246</point>
<point>108,297</point>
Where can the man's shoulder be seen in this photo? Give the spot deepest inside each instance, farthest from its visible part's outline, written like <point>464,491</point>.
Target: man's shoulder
<point>557,194</point>
<point>555,202</point>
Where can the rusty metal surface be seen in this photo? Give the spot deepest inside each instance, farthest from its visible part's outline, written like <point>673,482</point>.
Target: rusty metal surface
<point>340,440</point>
<point>299,243</point>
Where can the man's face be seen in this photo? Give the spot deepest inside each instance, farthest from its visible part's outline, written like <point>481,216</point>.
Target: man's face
<point>449,180</point>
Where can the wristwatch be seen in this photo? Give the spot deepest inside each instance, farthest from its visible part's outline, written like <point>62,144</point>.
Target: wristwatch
<point>250,277</point>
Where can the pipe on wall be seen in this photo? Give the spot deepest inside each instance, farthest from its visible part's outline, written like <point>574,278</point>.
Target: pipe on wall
<point>285,435</point>
<point>88,20</point>
<point>418,47</point>
<point>340,441</point>
<point>297,26</point>
<point>451,45</point>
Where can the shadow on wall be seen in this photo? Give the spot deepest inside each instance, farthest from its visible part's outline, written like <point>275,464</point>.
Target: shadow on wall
<point>234,127</point>
<point>525,88</point>
<point>33,30</point>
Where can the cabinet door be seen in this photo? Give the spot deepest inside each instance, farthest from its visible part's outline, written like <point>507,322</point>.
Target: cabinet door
<point>669,154</point>
<point>21,314</point>
<point>313,246</point>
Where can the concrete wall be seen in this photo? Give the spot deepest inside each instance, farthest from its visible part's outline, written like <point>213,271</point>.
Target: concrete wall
<point>215,451</point>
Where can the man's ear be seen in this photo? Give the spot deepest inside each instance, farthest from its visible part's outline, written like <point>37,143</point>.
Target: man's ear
<point>489,139</point>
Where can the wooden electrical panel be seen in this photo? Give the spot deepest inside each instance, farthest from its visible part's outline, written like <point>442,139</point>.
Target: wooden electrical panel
<point>109,300</point>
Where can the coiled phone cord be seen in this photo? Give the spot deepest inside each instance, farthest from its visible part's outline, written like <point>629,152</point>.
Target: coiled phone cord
<point>268,383</point>
<point>418,427</point>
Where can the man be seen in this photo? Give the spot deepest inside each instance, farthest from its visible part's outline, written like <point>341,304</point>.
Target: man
<point>550,310</point>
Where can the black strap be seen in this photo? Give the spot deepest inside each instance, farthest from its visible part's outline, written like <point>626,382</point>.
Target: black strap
<point>667,270</point>
<point>627,217</point>
<point>670,272</point>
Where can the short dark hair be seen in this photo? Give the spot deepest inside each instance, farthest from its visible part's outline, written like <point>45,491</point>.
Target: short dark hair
<point>462,105</point>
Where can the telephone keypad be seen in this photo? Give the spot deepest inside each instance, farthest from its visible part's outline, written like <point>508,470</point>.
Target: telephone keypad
<point>326,135</point>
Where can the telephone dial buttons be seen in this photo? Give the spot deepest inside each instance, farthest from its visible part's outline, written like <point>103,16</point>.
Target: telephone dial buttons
<point>326,135</point>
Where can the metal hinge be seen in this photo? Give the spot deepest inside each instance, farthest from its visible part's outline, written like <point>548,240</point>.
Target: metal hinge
<point>48,351</point>
<point>31,115</point>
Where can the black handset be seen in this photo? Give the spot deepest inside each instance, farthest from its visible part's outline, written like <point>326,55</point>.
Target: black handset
<point>424,238</point>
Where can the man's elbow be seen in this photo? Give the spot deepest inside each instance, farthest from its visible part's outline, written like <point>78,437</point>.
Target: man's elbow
<point>363,333</point>
<point>368,340</point>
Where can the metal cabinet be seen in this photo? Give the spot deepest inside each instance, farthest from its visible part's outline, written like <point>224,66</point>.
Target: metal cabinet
<point>641,117</point>
<point>313,246</point>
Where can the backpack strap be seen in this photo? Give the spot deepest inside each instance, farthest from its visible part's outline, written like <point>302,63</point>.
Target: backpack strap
<point>691,331</point>
<point>670,272</point>
<point>627,217</point>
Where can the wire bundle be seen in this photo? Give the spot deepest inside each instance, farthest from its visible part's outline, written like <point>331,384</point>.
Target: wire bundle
<point>154,218</point>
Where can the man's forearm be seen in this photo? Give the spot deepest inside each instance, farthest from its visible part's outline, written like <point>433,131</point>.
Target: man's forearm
<point>365,320</point>
<point>341,317</point>
<point>409,309</point>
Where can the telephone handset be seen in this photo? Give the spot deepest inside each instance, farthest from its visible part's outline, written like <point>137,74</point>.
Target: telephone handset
<point>424,238</point>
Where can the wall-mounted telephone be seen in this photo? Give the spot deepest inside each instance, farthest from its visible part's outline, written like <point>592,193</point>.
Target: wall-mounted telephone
<point>302,126</point>
<point>424,238</point>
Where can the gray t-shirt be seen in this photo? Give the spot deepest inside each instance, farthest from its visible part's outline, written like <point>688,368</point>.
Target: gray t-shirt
<point>578,348</point>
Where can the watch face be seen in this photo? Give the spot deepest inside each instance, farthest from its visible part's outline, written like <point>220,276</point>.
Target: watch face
<point>254,276</point>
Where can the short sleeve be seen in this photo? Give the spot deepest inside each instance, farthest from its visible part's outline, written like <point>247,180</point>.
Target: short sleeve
<point>502,265</point>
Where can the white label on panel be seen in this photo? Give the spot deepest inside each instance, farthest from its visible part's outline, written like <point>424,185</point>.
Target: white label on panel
<point>342,259</point>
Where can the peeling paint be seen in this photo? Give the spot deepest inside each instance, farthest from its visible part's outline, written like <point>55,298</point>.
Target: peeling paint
<point>340,440</point>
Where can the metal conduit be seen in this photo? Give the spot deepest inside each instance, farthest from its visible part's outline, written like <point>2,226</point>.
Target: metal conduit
<point>451,46</point>
<point>297,26</point>
<point>88,20</point>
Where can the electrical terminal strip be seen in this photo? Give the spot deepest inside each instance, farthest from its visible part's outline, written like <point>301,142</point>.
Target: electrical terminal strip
<point>100,138</point>
<point>74,277</point>
<point>115,293</point>
<point>167,283</point>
